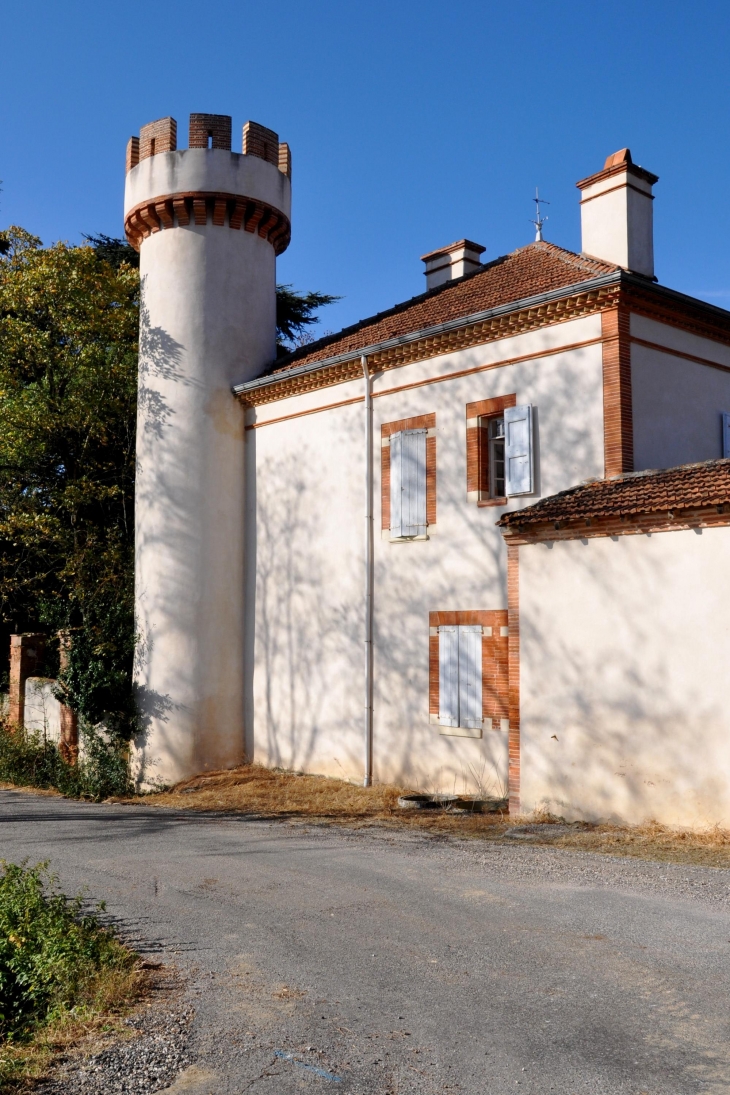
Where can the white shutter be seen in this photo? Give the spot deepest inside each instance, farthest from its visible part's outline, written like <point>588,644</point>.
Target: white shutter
<point>449,676</point>
<point>470,677</point>
<point>396,464</point>
<point>726,434</point>
<point>518,450</point>
<point>408,483</point>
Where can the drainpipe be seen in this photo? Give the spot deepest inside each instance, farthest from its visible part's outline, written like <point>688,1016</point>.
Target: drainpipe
<point>367,781</point>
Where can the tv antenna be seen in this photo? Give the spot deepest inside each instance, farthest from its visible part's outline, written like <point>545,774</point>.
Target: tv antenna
<point>538,221</point>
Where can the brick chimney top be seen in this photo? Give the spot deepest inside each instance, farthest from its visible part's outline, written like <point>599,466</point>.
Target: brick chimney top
<point>453,261</point>
<point>616,214</point>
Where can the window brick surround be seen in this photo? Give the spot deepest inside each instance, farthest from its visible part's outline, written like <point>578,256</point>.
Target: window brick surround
<point>477,448</point>
<point>420,422</point>
<point>495,660</point>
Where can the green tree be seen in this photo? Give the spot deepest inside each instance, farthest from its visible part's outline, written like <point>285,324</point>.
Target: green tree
<point>68,378</point>
<point>295,312</point>
<point>68,385</point>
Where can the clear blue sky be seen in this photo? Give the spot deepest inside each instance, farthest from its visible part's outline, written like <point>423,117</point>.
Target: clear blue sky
<point>411,122</point>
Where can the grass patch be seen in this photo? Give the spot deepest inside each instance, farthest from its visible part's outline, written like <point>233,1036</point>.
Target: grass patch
<point>62,973</point>
<point>256,791</point>
<point>28,760</point>
<point>702,847</point>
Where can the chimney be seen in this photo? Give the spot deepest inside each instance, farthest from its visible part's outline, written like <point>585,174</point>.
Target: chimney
<point>452,262</point>
<point>616,216</point>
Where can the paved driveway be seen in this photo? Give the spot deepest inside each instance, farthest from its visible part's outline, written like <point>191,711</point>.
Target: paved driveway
<point>380,962</point>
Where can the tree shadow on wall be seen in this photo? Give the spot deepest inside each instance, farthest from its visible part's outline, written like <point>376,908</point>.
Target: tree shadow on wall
<point>303,633</point>
<point>159,359</point>
<point>608,726</point>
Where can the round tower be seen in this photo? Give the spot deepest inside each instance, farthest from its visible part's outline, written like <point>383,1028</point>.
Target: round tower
<point>208,224</point>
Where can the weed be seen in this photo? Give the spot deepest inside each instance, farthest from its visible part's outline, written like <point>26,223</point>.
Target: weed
<point>59,966</point>
<point>29,760</point>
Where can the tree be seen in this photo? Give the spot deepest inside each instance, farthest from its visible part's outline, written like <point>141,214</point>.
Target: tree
<point>68,380</point>
<point>294,313</point>
<point>68,385</point>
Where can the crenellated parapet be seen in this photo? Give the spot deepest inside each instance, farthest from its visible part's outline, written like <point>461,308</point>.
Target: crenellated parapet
<point>209,131</point>
<point>252,211</point>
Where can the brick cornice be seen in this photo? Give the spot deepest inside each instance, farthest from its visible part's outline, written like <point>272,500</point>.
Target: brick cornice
<point>628,293</point>
<point>677,310</point>
<point>205,207</point>
<point>432,345</point>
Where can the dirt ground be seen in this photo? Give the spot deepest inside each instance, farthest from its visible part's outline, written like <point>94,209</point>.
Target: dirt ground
<point>272,793</point>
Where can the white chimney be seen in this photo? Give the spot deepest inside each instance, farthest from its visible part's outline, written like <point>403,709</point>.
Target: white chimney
<point>616,216</point>
<point>452,262</point>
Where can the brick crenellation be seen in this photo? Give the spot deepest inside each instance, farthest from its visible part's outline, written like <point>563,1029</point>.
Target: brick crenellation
<point>159,136</point>
<point>209,131</point>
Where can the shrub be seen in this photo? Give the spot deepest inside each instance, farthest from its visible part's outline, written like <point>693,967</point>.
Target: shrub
<point>28,760</point>
<point>52,954</point>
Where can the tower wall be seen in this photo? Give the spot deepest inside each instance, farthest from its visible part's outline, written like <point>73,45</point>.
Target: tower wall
<point>209,223</point>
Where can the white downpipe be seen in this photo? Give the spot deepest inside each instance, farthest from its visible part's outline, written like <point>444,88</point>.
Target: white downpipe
<point>367,781</point>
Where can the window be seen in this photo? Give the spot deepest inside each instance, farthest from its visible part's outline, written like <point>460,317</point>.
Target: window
<point>460,677</point>
<point>725,435</point>
<point>499,450</point>
<point>408,466</point>
<point>408,483</point>
<point>495,460</point>
<point>468,672</point>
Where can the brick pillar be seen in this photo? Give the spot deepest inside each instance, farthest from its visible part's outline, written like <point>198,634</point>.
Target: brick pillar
<point>68,746</point>
<point>26,660</point>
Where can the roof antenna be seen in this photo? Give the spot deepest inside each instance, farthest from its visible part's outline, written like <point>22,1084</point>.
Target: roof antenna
<point>538,221</point>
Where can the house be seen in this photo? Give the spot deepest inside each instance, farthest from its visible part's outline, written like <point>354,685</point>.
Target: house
<point>619,595</point>
<point>321,580</point>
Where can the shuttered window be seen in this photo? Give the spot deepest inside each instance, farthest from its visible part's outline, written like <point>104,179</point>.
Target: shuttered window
<point>460,676</point>
<point>726,435</point>
<point>449,676</point>
<point>518,458</point>
<point>408,483</point>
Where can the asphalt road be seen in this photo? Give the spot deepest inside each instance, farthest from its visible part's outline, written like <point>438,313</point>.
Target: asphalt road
<point>377,962</point>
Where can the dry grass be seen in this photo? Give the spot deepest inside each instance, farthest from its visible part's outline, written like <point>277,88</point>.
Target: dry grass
<point>272,793</point>
<point>95,1022</point>
<point>703,847</point>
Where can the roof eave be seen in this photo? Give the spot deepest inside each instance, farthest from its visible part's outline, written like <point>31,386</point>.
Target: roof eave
<point>614,277</point>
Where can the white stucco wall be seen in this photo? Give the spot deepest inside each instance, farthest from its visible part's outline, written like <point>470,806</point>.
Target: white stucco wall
<point>625,644</point>
<point>677,402</point>
<point>305,557</point>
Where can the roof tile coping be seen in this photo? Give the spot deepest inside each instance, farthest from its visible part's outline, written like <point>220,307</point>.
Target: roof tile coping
<point>468,244</point>
<point>688,486</point>
<point>615,164</point>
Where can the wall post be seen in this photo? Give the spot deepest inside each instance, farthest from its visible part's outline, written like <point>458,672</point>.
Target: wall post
<point>68,745</point>
<point>26,659</point>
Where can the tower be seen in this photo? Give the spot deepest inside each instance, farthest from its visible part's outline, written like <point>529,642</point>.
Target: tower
<point>208,224</point>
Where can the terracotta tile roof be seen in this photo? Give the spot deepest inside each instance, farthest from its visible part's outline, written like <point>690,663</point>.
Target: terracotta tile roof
<point>689,486</point>
<point>531,270</point>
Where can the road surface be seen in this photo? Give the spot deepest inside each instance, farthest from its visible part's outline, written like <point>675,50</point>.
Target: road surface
<point>373,962</point>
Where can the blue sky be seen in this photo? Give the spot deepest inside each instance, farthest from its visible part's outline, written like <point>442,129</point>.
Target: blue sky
<point>411,123</point>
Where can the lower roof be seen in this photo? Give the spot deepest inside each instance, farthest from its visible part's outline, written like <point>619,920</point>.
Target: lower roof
<point>633,494</point>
